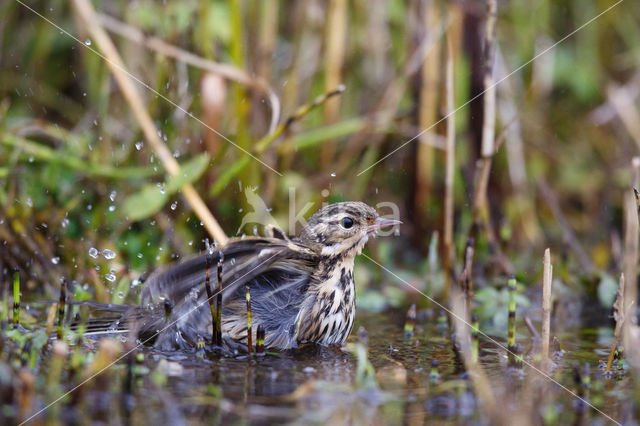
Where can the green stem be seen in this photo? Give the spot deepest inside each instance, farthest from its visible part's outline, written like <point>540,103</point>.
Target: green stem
<point>475,346</point>
<point>511,336</point>
<point>249,342</point>
<point>61,307</point>
<point>16,299</point>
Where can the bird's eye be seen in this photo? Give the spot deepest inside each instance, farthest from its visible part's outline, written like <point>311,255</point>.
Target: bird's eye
<point>347,222</point>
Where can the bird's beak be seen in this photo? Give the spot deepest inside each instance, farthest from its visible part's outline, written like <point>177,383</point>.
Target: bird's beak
<point>381,223</point>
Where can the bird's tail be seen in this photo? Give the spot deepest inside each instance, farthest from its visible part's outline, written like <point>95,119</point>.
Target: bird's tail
<point>104,319</point>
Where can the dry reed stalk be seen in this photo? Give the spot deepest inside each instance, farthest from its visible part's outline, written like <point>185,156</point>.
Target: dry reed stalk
<point>547,276</point>
<point>386,108</point>
<point>108,351</point>
<point>116,65</point>
<point>567,232</point>
<point>26,394</point>
<point>229,72</point>
<point>428,110</point>
<point>630,260</point>
<point>606,112</point>
<point>268,37</point>
<point>450,154</point>
<point>51,318</point>
<point>59,352</point>
<point>626,109</point>
<point>213,90</point>
<point>481,215</point>
<point>102,295</point>
<point>618,314</point>
<point>482,387</point>
<point>523,202</point>
<point>466,278</point>
<point>335,46</point>
<point>489,96</point>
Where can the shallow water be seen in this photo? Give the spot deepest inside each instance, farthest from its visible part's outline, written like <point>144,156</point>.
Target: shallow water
<point>320,385</point>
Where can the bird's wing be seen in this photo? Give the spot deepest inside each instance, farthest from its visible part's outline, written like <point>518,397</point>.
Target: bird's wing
<point>242,261</point>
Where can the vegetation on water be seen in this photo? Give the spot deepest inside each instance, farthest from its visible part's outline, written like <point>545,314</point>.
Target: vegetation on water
<point>437,107</point>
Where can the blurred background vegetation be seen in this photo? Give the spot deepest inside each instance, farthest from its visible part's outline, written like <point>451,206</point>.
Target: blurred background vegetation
<point>74,162</point>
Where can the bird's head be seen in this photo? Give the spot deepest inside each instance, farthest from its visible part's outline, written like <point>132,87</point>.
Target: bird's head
<point>342,229</point>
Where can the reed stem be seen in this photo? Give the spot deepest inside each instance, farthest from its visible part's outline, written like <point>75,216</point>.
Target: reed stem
<point>618,315</point>
<point>410,323</point>
<point>511,336</point>
<point>16,299</point>
<point>475,345</point>
<point>219,306</point>
<point>449,252</point>
<point>260,341</point>
<point>62,303</point>
<point>87,14</point>
<point>443,322</point>
<point>212,308</point>
<point>547,277</point>
<point>434,374</point>
<point>168,308</point>
<point>249,334</point>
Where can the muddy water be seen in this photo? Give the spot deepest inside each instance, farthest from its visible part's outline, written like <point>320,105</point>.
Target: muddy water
<point>320,385</point>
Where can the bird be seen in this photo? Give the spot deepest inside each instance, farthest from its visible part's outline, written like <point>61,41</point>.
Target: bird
<point>302,288</point>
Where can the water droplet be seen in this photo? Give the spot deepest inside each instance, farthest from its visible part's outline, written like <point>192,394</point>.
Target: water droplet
<point>31,159</point>
<point>139,145</point>
<point>112,208</point>
<point>174,205</point>
<point>93,252</point>
<point>88,42</point>
<point>333,174</point>
<point>65,222</point>
<point>139,255</point>
<point>120,294</point>
<point>110,277</point>
<point>29,202</point>
<point>112,195</point>
<point>108,254</point>
<point>55,260</point>
<point>89,207</point>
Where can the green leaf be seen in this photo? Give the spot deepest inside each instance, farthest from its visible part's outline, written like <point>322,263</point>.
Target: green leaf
<point>229,173</point>
<point>144,203</point>
<point>189,173</point>
<point>151,198</point>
